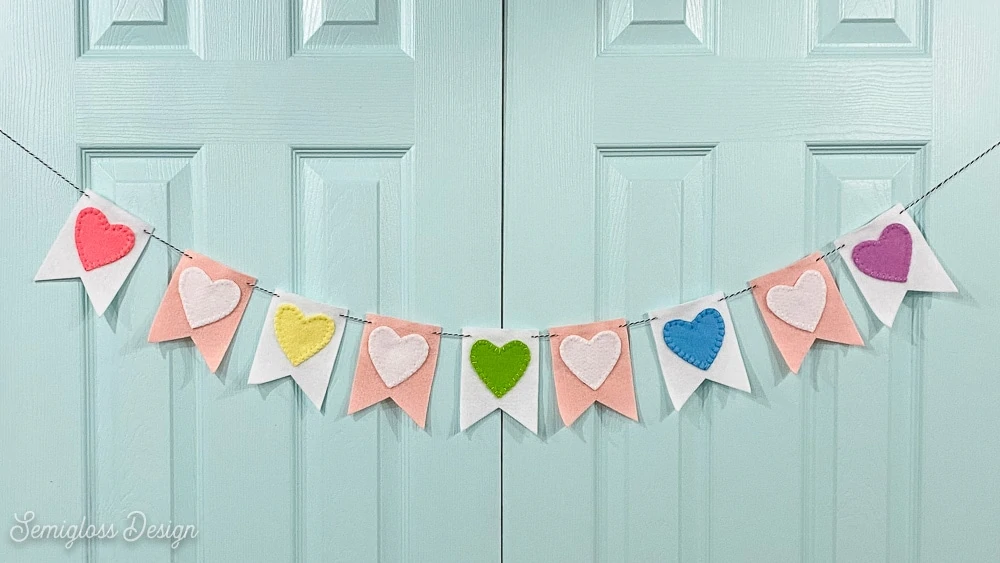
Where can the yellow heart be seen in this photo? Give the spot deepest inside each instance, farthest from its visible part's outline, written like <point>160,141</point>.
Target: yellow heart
<point>301,337</point>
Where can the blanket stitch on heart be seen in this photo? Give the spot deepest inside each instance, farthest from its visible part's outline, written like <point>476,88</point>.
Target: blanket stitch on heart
<point>696,342</point>
<point>206,301</point>
<point>591,360</point>
<point>301,337</point>
<point>396,358</point>
<point>888,257</point>
<point>98,241</point>
<point>800,305</point>
<point>500,367</point>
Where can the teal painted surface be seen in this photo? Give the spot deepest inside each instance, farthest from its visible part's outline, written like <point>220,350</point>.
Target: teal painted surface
<point>311,149</point>
<point>653,152</point>
<point>660,150</point>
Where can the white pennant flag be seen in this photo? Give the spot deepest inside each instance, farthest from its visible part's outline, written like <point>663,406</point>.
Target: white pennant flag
<point>500,371</point>
<point>300,339</point>
<point>100,243</point>
<point>888,257</point>
<point>694,342</point>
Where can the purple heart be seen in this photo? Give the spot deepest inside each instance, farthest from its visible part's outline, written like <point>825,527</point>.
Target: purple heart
<point>887,258</point>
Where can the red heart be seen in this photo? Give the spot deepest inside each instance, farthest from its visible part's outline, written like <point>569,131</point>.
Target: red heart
<point>98,242</point>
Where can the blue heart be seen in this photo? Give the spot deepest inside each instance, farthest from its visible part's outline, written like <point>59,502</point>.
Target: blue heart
<point>696,342</point>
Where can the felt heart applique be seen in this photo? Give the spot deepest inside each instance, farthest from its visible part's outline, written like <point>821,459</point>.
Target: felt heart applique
<point>802,305</point>
<point>887,258</point>
<point>591,360</point>
<point>500,368</point>
<point>697,342</point>
<point>395,358</point>
<point>301,337</point>
<point>98,242</point>
<point>206,301</point>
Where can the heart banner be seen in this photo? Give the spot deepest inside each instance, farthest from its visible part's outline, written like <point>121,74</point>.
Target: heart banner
<point>100,243</point>
<point>300,339</point>
<point>591,363</point>
<point>801,304</point>
<point>695,342</point>
<point>204,301</point>
<point>889,257</point>
<point>499,371</point>
<point>396,361</point>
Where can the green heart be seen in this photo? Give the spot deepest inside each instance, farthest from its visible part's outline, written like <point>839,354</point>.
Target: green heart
<point>500,368</point>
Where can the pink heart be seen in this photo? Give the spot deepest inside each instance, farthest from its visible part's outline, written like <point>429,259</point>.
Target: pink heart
<point>98,242</point>
<point>887,258</point>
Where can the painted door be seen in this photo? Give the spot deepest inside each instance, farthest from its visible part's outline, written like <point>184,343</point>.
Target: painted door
<point>307,142</point>
<point>657,151</point>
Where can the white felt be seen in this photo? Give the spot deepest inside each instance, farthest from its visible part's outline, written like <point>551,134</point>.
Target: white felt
<point>205,300</point>
<point>926,273</point>
<point>591,360</point>
<point>800,305</point>
<point>312,375</point>
<point>682,378</point>
<point>477,401</point>
<point>396,358</point>
<point>101,284</point>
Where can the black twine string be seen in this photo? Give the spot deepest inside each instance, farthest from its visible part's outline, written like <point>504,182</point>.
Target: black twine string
<point>45,164</point>
<point>174,248</point>
<point>830,252</point>
<point>948,179</point>
<point>259,288</point>
<point>452,334</point>
<point>627,324</point>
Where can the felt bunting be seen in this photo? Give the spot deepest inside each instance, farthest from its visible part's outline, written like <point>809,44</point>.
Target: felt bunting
<point>100,243</point>
<point>696,342</point>
<point>300,339</point>
<point>591,363</point>
<point>888,257</point>
<point>800,304</point>
<point>500,371</point>
<point>397,361</point>
<point>204,301</point>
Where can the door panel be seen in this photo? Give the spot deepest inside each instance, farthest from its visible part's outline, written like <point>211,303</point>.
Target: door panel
<point>310,143</point>
<point>659,151</point>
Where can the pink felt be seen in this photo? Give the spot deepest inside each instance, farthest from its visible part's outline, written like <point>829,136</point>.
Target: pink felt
<point>213,339</point>
<point>574,396</point>
<point>413,394</point>
<point>98,242</point>
<point>836,324</point>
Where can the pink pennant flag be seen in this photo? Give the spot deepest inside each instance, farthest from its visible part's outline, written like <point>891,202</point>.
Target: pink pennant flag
<point>801,304</point>
<point>591,363</point>
<point>397,361</point>
<point>204,301</point>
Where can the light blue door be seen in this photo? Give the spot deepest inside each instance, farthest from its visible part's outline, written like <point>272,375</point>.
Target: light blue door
<point>657,151</point>
<point>326,147</point>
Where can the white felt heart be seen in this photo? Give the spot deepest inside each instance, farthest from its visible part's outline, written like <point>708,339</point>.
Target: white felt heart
<point>395,358</point>
<point>206,301</point>
<point>591,360</point>
<point>802,305</point>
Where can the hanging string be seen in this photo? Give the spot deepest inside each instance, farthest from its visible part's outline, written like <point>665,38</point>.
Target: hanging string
<point>627,324</point>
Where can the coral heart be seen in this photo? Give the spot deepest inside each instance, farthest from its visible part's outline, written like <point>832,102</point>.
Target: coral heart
<point>98,242</point>
<point>697,342</point>
<point>396,359</point>
<point>301,337</point>
<point>887,258</point>
<point>591,361</point>
<point>800,306</point>
<point>206,301</point>
<point>500,368</point>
